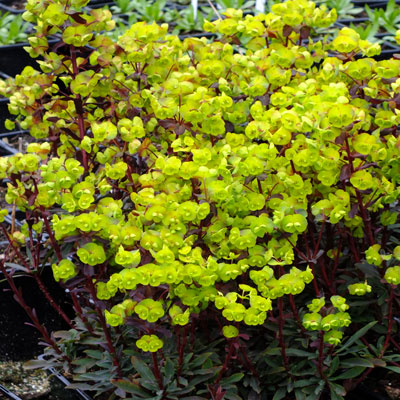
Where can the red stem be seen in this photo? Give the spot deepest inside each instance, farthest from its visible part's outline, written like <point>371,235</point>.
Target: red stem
<point>296,314</point>
<point>51,235</point>
<point>226,362</point>
<point>281,341</point>
<point>78,309</point>
<point>365,218</point>
<point>103,324</point>
<point>79,109</point>
<point>181,348</point>
<point>390,322</point>
<point>157,371</point>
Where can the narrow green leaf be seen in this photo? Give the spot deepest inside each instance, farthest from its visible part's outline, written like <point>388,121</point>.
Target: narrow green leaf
<point>232,379</point>
<point>337,391</point>
<point>16,266</point>
<point>279,394</point>
<point>350,373</point>
<point>199,361</point>
<point>334,366</point>
<point>169,370</point>
<point>305,382</point>
<point>80,386</point>
<point>143,370</point>
<point>299,395</point>
<point>97,354</point>
<point>357,362</point>
<point>130,387</point>
<point>361,332</point>
<point>299,353</point>
<point>335,396</point>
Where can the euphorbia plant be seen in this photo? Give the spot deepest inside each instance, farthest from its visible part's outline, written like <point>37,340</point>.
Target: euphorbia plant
<point>187,192</point>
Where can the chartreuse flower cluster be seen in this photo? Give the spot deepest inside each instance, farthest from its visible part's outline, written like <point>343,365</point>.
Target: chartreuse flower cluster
<point>329,320</point>
<point>197,166</point>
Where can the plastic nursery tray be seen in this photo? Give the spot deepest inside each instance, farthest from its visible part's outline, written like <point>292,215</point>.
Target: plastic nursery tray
<point>12,10</point>
<point>388,51</point>
<point>347,21</point>
<point>65,381</point>
<point>8,393</point>
<point>373,3</point>
<point>13,57</point>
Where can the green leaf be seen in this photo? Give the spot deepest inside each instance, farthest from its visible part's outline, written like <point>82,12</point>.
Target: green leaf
<point>130,387</point>
<point>305,382</point>
<point>202,378</point>
<point>299,395</point>
<point>143,370</point>
<point>16,266</point>
<point>357,362</point>
<point>232,379</point>
<point>337,391</point>
<point>334,366</point>
<point>299,353</point>
<point>279,394</point>
<point>361,332</point>
<point>97,354</point>
<point>80,386</point>
<point>169,370</point>
<point>193,398</point>
<point>351,373</point>
<point>275,370</point>
<point>199,361</point>
<point>272,352</point>
<point>231,396</point>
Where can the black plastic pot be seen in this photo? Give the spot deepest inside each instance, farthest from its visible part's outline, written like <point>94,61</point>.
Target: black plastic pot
<point>4,114</point>
<point>7,8</point>
<point>13,58</point>
<point>197,35</point>
<point>6,149</point>
<point>94,2</point>
<point>388,51</point>
<point>373,3</point>
<point>19,341</point>
<point>341,23</point>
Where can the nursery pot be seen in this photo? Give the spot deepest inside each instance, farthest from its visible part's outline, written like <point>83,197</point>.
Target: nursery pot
<point>4,114</point>
<point>19,341</point>
<point>388,51</point>
<point>7,7</point>
<point>348,21</point>
<point>372,4</point>
<point>13,58</point>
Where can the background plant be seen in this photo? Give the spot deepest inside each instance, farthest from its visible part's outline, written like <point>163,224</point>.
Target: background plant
<point>237,198</point>
<point>344,8</point>
<point>13,29</point>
